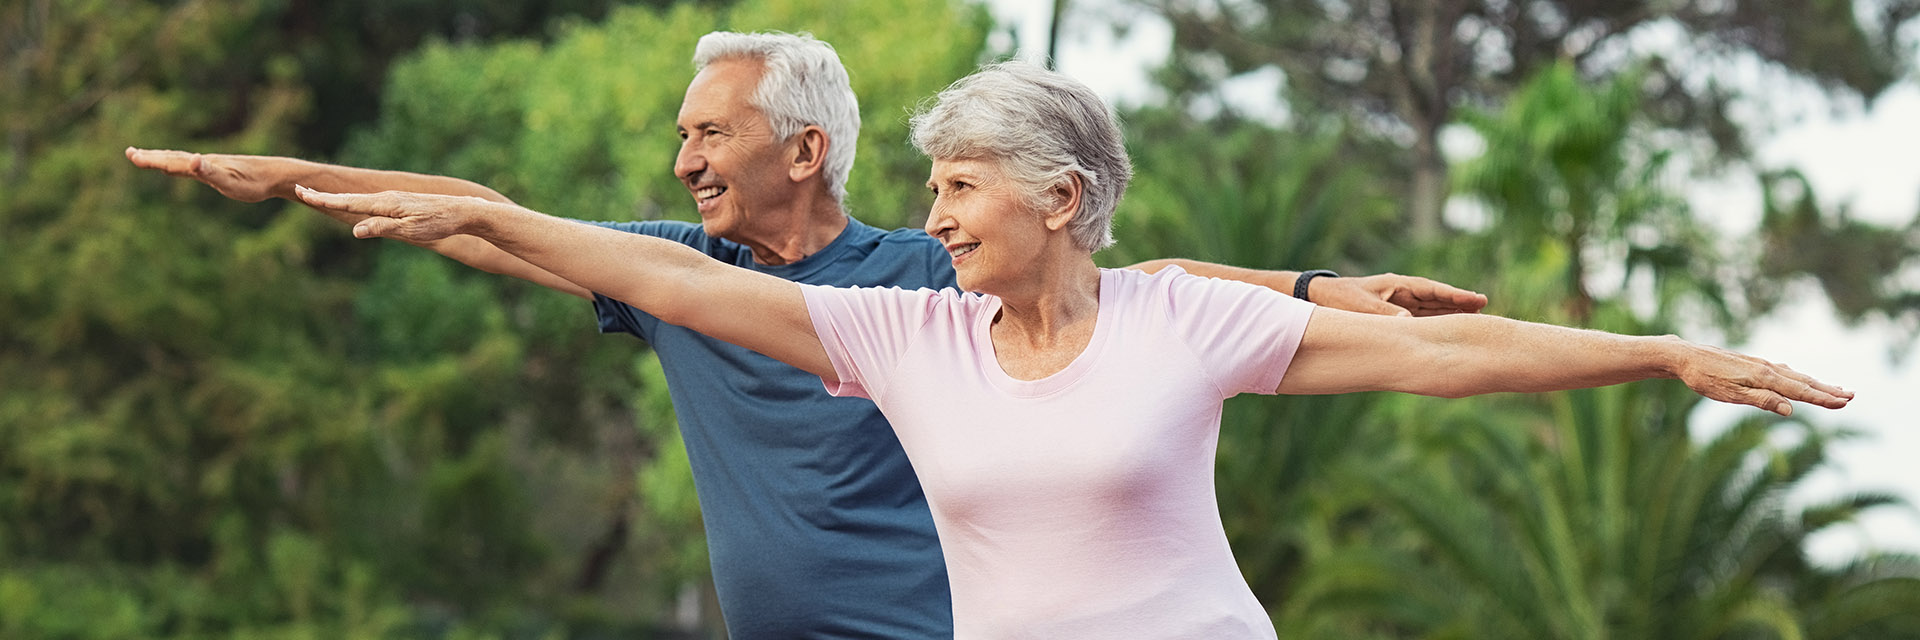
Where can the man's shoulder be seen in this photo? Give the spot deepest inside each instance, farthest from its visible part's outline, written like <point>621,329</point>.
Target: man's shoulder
<point>873,257</point>
<point>677,230</point>
<point>692,234</point>
<point>912,241</point>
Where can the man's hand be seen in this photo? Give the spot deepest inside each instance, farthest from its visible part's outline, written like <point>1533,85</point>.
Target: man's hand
<point>1394,295</point>
<point>411,217</point>
<point>243,178</point>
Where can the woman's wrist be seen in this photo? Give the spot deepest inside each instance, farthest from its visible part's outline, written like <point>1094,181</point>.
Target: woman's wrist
<point>1669,355</point>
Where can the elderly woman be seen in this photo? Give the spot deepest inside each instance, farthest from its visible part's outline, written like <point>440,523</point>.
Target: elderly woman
<point>1063,417</point>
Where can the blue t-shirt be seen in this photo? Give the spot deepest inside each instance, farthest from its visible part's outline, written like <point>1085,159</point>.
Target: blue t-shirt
<point>816,525</point>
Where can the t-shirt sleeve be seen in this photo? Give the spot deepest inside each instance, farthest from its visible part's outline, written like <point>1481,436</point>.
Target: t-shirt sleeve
<point>865,331</point>
<point>615,316</point>
<point>1244,335</point>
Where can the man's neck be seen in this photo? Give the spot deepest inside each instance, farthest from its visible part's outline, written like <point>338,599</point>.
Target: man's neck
<point>792,238</point>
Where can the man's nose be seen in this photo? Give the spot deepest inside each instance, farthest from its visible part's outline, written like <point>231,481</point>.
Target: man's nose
<point>688,162</point>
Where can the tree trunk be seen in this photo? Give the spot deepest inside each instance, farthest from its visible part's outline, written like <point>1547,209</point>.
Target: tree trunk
<point>1053,33</point>
<point>1428,193</point>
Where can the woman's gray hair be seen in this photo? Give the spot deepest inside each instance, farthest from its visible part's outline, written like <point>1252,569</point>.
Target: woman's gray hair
<point>1041,127</point>
<point>802,83</point>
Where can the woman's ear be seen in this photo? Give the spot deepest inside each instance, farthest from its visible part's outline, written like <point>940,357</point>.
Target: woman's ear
<point>1066,195</point>
<point>809,155</point>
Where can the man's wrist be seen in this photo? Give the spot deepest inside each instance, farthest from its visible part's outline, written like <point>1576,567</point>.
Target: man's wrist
<point>287,172</point>
<point>1304,281</point>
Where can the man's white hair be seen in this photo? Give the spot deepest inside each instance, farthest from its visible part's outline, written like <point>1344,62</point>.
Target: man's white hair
<point>803,83</point>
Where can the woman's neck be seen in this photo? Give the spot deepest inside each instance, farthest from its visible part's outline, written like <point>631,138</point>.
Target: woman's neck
<point>1043,327</point>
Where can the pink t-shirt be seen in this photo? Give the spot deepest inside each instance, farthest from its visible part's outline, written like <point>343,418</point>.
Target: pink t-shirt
<point>1079,505</point>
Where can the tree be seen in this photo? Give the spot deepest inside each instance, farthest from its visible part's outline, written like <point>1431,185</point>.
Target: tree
<point>224,422</point>
<point>1567,181</point>
<point>1602,517</point>
<point>1402,67</point>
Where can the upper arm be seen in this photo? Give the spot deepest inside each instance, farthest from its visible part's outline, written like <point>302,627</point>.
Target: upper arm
<point>1244,336</point>
<point>1345,352</point>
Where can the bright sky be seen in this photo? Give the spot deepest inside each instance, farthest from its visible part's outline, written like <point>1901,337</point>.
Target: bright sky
<point>1850,154</point>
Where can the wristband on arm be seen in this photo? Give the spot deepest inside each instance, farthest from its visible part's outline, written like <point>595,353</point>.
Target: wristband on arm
<point>1300,283</point>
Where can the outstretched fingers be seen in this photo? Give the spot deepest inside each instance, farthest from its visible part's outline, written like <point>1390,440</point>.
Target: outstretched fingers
<point>1804,388</point>
<point>377,227</point>
<point>1737,378</point>
<point>1774,386</point>
<point>1426,297</point>
<point>384,204</point>
<point>174,163</point>
<point>412,217</point>
<point>381,209</point>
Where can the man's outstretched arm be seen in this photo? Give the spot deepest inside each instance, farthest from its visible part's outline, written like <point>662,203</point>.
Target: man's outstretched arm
<point>257,178</point>
<point>1384,294</point>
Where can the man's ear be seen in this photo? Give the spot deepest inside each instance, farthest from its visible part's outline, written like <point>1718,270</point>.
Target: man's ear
<point>1066,193</point>
<point>809,153</point>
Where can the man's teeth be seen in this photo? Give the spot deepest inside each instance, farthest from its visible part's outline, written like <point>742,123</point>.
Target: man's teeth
<point>708,192</point>
<point>963,249</point>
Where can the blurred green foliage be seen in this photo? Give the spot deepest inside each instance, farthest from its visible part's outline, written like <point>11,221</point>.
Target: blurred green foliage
<point>228,420</point>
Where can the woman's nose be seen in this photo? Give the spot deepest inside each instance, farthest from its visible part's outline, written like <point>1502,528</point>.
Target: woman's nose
<point>938,223</point>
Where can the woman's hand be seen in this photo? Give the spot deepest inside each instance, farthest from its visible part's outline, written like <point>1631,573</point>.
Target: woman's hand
<point>405,216</point>
<point>1735,378</point>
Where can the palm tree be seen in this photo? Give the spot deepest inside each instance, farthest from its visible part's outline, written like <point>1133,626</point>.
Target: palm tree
<point>1599,516</point>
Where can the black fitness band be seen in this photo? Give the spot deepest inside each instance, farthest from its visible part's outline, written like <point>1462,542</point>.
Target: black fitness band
<point>1300,283</point>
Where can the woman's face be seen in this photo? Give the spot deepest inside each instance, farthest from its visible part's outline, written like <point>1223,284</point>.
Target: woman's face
<point>988,228</point>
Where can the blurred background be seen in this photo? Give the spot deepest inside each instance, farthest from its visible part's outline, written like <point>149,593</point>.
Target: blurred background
<point>226,420</point>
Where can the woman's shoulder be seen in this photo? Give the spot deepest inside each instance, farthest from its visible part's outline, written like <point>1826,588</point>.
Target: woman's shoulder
<point>1136,282</point>
<point>934,300</point>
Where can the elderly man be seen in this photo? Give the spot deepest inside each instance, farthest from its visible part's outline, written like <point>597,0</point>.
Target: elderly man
<point>816,525</point>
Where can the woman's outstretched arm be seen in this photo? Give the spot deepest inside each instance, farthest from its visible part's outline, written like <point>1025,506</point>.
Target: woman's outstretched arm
<point>669,280</point>
<point>1462,355</point>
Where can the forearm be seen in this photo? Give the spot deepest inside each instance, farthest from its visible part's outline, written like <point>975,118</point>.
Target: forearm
<point>1462,355</point>
<point>334,178</point>
<point>630,267</point>
<point>468,250</point>
<point>1475,354</point>
<point>668,280</point>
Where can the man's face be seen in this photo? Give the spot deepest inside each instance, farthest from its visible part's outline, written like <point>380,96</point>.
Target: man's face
<point>729,158</point>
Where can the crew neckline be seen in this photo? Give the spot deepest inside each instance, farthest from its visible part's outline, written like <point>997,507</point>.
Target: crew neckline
<point>1059,380</point>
